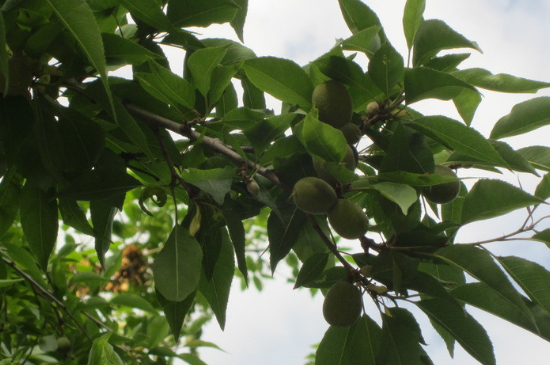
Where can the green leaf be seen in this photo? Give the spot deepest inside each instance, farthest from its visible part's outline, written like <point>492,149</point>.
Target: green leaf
<point>221,80</point>
<point>263,133</point>
<point>177,268</point>
<point>354,345</point>
<point>537,156</point>
<point>465,329</point>
<point>466,104</point>
<point>531,277</point>
<point>359,16</point>
<point>80,21</point>
<point>202,64</point>
<point>459,137</point>
<point>321,139</point>
<point>188,13</point>
<point>10,190</point>
<point>133,301</point>
<point>122,51</point>
<point>26,261</point>
<point>501,82</point>
<point>524,117</point>
<point>447,63</point>
<point>479,264</point>
<point>312,268</point>
<point>433,36</point>
<point>102,219</point>
<point>425,83</point>
<point>366,41</point>
<point>386,68</point>
<point>167,86</point>
<point>480,295</point>
<point>73,215</point>
<point>216,182</point>
<point>175,312</point>
<point>543,188</point>
<point>283,231</point>
<point>398,344</point>
<point>238,238</point>
<point>102,353</point>
<point>492,198</point>
<point>216,290</point>
<point>542,236</point>
<point>282,78</point>
<point>237,23</point>
<point>413,17</point>
<point>401,194</point>
<point>38,210</point>
<point>149,12</point>
<point>3,54</point>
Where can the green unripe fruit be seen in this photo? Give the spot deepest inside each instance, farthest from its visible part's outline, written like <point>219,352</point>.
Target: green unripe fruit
<point>333,101</point>
<point>63,344</point>
<point>348,219</point>
<point>253,187</point>
<point>372,108</point>
<point>313,195</point>
<point>443,193</point>
<point>348,162</point>
<point>351,132</point>
<point>342,305</point>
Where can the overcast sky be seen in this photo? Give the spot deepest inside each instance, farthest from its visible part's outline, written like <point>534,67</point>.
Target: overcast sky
<point>278,325</point>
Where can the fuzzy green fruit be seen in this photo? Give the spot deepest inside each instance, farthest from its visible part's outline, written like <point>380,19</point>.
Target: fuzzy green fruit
<point>348,219</point>
<point>63,344</point>
<point>351,132</point>
<point>443,193</point>
<point>348,162</point>
<point>313,195</point>
<point>372,108</point>
<point>333,101</point>
<point>342,304</point>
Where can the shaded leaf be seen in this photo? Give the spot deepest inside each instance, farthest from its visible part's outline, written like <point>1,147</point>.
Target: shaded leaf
<point>538,156</point>
<point>119,50</point>
<point>459,137</point>
<point>38,211</point>
<point>366,41</point>
<point>10,190</point>
<point>102,220</point>
<point>426,83</point>
<point>216,290</point>
<point>354,345</point>
<point>401,194</point>
<point>312,268</point>
<point>177,268</point>
<point>533,278</point>
<point>175,312</point>
<point>202,64</point>
<point>186,13</point>
<point>133,301</point>
<point>102,353</point>
<point>399,344</point>
<point>359,16</point>
<point>74,216</point>
<point>149,12</point>
<point>465,329</point>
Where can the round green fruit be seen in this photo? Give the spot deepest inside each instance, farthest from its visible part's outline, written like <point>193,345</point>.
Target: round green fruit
<point>443,193</point>
<point>63,344</point>
<point>313,195</point>
<point>372,108</point>
<point>348,162</point>
<point>342,304</point>
<point>333,101</point>
<point>348,219</point>
<point>351,132</point>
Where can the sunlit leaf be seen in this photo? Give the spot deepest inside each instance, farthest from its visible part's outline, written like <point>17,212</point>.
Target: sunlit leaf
<point>524,117</point>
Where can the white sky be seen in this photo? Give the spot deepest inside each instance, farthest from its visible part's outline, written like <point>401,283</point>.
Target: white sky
<point>278,325</point>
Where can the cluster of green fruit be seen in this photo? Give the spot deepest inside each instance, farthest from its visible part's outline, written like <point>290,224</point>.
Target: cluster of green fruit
<point>316,195</point>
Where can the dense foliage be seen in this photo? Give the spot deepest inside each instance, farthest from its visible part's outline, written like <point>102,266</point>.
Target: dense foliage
<point>128,206</point>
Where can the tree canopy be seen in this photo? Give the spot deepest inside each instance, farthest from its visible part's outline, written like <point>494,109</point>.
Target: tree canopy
<point>129,206</point>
